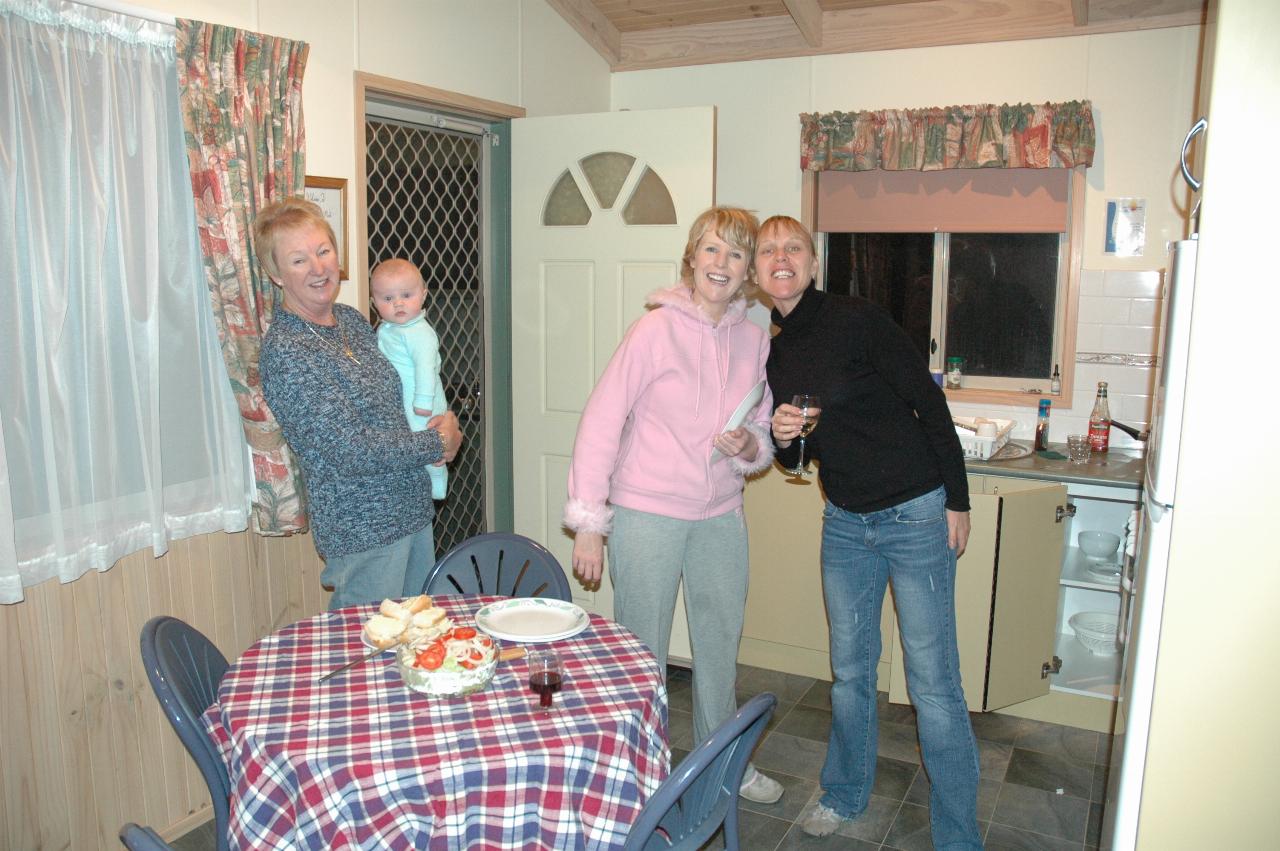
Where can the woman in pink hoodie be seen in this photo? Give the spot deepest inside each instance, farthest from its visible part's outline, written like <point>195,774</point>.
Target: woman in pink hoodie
<point>655,470</point>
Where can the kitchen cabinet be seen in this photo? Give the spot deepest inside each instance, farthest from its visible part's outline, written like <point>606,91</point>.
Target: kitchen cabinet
<point>1007,594</point>
<point>1017,585</point>
<point>1028,585</point>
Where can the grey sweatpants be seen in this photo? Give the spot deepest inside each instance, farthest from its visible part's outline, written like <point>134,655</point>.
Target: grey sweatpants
<point>649,555</point>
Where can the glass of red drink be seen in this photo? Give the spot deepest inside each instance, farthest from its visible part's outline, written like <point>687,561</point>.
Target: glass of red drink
<point>545,675</point>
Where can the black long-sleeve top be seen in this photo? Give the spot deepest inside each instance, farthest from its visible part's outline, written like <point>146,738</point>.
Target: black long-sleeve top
<point>885,434</point>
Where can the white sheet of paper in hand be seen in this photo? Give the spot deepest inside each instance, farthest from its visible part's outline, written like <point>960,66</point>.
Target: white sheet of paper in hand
<point>740,414</point>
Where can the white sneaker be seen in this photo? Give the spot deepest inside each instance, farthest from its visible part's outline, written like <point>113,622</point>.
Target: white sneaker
<point>758,788</point>
<point>820,820</point>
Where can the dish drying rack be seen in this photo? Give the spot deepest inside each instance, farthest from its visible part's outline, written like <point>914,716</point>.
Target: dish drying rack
<point>982,448</point>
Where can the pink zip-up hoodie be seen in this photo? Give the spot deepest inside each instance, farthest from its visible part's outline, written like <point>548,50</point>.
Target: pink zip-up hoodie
<point>645,437</point>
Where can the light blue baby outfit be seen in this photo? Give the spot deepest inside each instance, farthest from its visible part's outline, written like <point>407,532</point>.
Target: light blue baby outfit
<point>414,350</point>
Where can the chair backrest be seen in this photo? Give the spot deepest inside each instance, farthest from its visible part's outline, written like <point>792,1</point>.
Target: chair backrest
<point>185,668</point>
<point>702,791</point>
<point>137,838</point>
<point>499,563</point>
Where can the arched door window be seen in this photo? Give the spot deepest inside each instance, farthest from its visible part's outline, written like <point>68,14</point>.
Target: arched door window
<point>606,174</point>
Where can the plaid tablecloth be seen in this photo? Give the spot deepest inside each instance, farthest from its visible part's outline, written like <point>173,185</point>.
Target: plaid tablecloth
<point>361,761</point>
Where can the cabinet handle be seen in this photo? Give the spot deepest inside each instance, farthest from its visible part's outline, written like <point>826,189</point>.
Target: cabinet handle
<point>1050,668</point>
<point>1063,511</point>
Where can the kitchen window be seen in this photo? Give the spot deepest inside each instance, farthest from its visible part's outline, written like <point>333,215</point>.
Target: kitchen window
<point>991,298</point>
<point>975,263</point>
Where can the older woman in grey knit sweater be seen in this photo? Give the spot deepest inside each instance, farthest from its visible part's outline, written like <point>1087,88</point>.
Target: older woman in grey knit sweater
<point>338,402</point>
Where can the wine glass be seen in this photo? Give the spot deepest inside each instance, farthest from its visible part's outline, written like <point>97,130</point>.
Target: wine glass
<point>810,407</point>
<point>544,676</point>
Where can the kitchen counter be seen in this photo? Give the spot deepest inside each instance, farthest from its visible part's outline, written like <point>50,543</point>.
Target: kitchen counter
<point>1117,468</point>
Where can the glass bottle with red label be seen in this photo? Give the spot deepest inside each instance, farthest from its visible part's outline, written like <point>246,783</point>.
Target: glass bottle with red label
<point>1100,422</point>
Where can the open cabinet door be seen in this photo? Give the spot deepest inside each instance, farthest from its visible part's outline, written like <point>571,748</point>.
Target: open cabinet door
<point>601,206</point>
<point>1006,598</point>
<point>1024,620</point>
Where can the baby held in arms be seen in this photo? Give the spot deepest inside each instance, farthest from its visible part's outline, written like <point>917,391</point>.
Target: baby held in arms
<point>397,291</point>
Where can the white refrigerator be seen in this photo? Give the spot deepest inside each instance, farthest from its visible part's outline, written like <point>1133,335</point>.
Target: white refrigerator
<point>1144,582</point>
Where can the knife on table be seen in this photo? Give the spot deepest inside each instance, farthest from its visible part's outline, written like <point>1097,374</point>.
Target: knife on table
<point>374,652</point>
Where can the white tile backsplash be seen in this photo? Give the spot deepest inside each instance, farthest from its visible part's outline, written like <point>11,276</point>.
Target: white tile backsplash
<point>1102,310</point>
<point>1092,282</point>
<point>1133,284</point>
<point>1127,339</point>
<point>1144,311</point>
<point>1088,337</point>
<point>1133,410</point>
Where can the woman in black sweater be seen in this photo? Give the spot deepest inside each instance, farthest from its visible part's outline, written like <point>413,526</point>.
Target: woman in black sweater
<point>897,511</point>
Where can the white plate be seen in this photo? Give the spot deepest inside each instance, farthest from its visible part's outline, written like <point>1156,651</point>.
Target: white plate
<point>739,416</point>
<point>532,619</point>
<point>1108,573</point>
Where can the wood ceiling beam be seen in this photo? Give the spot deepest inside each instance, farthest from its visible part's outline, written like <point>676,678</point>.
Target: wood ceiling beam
<point>1080,12</point>
<point>927,24</point>
<point>593,26</point>
<point>808,17</point>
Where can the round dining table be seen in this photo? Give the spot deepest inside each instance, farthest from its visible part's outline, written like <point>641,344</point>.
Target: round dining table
<point>362,761</point>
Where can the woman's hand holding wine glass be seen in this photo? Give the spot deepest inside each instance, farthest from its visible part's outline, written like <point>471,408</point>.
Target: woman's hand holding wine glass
<point>799,422</point>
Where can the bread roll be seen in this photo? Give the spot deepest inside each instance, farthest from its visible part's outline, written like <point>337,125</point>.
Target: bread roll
<point>396,610</point>
<point>382,631</point>
<point>417,604</point>
<point>428,623</point>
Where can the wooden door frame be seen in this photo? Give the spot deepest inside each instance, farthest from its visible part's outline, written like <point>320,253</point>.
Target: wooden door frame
<point>498,417</point>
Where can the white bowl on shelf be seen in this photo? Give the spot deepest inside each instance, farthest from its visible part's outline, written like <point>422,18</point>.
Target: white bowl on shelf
<point>1099,546</point>
<point>1096,631</point>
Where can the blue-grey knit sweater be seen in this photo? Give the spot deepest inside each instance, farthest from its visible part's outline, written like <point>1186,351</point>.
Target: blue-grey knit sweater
<point>365,471</point>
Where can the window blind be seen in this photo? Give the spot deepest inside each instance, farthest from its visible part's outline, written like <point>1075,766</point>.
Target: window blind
<point>995,200</point>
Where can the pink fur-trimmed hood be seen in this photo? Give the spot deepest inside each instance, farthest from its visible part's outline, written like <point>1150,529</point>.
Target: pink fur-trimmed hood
<point>646,435</point>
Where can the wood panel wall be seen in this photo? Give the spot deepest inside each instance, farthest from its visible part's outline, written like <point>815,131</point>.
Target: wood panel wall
<point>84,746</point>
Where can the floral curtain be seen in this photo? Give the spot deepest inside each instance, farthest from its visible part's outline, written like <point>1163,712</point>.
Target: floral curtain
<point>241,103</point>
<point>1050,135</point>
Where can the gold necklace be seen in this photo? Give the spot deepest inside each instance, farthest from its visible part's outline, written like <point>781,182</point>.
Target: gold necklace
<point>344,349</point>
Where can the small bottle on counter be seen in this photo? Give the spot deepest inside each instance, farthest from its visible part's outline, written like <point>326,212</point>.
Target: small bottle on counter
<point>1100,422</point>
<point>955,372</point>
<point>1042,425</point>
<point>1055,383</point>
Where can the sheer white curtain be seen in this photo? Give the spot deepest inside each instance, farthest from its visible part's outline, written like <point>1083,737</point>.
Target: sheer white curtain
<point>117,424</point>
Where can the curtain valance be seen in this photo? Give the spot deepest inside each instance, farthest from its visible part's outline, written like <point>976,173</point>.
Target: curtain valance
<point>1049,135</point>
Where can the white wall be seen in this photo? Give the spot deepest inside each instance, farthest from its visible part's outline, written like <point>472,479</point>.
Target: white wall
<point>1142,86</point>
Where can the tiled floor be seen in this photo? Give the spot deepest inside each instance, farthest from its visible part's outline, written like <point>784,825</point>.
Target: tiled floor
<point>1040,787</point>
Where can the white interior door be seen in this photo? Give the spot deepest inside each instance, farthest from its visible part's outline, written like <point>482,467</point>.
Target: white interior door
<point>600,206</point>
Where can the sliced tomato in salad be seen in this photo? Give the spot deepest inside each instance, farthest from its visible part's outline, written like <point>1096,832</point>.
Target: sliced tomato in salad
<point>462,633</point>
<point>431,658</point>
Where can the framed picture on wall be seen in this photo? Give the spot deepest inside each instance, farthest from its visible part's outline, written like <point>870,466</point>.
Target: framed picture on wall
<point>330,195</point>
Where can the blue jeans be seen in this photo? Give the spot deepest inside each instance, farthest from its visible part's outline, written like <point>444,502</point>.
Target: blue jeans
<point>861,553</point>
<point>398,569</point>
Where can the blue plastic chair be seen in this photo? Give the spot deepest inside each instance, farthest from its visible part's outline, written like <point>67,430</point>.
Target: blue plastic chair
<point>499,563</point>
<point>702,793</point>
<point>137,838</point>
<point>185,668</point>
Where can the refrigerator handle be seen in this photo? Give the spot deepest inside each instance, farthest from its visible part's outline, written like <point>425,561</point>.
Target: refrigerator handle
<point>1196,129</point>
